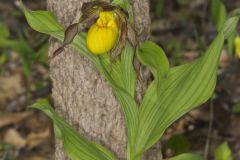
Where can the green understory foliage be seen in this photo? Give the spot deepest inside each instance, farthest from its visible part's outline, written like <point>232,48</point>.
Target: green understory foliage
<point>223,152</point>
<point>30,54</point>
<point>173,92</point>
<point>219,16</point>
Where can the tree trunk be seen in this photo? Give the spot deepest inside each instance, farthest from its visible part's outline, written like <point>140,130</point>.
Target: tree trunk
<point>80,94</point>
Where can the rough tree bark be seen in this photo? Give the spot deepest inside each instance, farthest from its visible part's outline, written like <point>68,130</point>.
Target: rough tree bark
<point>80,94</point>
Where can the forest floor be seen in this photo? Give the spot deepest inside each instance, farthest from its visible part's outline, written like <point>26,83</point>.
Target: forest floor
<point>183,29</point>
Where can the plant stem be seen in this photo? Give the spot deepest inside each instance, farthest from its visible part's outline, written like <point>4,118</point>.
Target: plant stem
<point>211,115</point>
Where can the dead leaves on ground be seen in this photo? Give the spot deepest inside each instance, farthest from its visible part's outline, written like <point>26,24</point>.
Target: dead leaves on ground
<point>24,132</point>
<point>13,137</point>
<point>12,118</point>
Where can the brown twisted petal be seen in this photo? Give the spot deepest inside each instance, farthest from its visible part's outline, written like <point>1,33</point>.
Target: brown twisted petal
<point>70,33</point>
<point>131,35</point>
<point>122,37</point>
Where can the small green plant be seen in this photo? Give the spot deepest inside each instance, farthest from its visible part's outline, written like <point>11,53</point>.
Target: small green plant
<point>173,92</point>
<point>219,16</point>
<point>223,152</point>
<point>236,108</point>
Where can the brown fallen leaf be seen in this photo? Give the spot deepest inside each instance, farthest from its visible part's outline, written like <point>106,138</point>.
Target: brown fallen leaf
<point>10,87</point>
<point>32,140</point>
<point>35,139</point>
<point>33,158</point>
<point>12,118</point>
<point>14,138</point>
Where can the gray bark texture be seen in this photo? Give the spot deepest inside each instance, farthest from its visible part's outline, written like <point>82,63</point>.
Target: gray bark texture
<point>79,92</point>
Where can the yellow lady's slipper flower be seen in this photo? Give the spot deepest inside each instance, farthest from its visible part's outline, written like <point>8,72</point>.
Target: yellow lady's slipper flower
<point>108,29</point>
<point>237,46</point>
<point>103,34</point>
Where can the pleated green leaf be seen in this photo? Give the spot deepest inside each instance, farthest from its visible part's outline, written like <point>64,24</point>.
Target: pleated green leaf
<point>229,26</point>
<point>42,21</point>
<point>187,156</point>
<point>153,57</point>
<point>76,146</point>
<point>120,74</point>
<point>219,13</point>
<point>129,74</point>
<point>184,88</point>
<point>122,3</point>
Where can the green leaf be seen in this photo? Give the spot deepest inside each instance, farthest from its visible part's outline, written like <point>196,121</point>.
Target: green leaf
<point>178,143</point>
<point>231,44</point>
<point>26,66</point>
<point>236,108</point>
<point>184,88</point>
<point>4,31</point>
<point>76,146</point>
<point>3,58</point>
<point>229,26</point>
<point>5,146</point>
<point>187,156</point>
<point>236,12</point>
<point>159,7</point>
<point>20,46</point>
<point>122,3</point>
<point>129,74</point>
<point>153,57</point>
<point>219,13</point>
<point>223,152</point>
<point>42,21</point>
<point>42,54</point>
